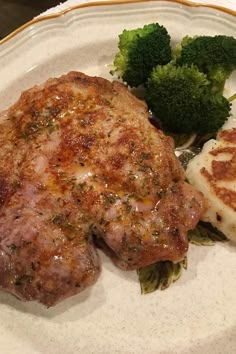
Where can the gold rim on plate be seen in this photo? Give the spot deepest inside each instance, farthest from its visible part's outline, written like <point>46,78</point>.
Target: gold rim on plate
<point>111,2</point>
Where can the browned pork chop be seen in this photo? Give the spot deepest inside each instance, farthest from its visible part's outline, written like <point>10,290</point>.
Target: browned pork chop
<point>80,158</point>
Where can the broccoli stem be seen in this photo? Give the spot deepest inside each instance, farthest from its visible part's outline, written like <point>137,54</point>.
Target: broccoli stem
<point>217,86</point>
<point>232,98</point>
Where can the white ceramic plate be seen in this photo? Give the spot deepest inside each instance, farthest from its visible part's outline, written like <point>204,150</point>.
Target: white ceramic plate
<point>198,313</point>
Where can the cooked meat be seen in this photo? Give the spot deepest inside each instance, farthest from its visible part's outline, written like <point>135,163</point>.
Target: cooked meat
<point>213,172</point>
<point>80,158</point>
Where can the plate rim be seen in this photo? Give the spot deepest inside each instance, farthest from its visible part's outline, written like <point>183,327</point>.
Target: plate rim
<point>110,3</point>
<point>220,335</point>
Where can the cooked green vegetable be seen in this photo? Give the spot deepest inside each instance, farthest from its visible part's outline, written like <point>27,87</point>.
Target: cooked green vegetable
<point>182,100</point>
<point>185,93</point>
<point>140,50</point>
<point>214,56</point>
<point>160,275</point>
<point>205,235</point>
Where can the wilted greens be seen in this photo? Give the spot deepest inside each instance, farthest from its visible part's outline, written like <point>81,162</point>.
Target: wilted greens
<point>161,275</point>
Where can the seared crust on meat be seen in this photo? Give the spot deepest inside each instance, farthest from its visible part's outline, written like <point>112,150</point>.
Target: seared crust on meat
<point>79,158</point>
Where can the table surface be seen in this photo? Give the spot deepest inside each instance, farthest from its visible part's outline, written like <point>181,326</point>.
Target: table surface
<point>14,13</point>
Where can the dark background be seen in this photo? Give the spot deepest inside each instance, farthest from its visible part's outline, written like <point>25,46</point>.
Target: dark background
<point>14,13</point>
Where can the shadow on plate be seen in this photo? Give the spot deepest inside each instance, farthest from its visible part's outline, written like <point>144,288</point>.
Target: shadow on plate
<point>106,256</point>
<point>82,304</point>
<point>75,307</point>
<point>89,300</point>
<point>195,256</point>
<point>78,306</point>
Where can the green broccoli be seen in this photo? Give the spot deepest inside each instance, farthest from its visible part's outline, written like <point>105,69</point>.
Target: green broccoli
<point>141,50</point>
<point>181,99</point>
<point>214,56</point>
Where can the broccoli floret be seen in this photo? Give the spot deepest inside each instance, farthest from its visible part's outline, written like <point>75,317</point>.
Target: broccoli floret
<point>140,50</point>
<point>181,99</point>
<point>214,56</point>
<point>178,48</point>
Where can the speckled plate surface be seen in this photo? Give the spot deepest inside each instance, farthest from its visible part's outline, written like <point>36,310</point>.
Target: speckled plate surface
<point>198,313</point>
